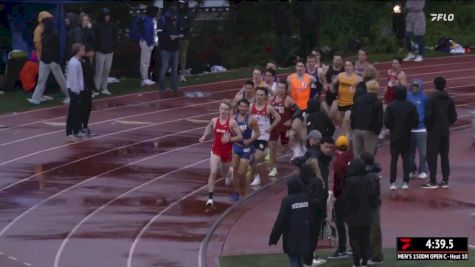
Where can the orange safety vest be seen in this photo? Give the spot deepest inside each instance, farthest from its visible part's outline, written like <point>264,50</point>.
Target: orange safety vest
<point>300,90</point>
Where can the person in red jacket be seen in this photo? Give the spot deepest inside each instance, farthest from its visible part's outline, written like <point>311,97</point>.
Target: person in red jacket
<point>340,173</point>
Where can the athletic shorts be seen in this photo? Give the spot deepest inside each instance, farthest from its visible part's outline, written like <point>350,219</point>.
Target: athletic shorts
<point>260,144</point>
<point>224,152</point>
<point>330,97</point>
<point>389,96</point>
<point>282,133</point>
<point>242,151</point>
<point>345,108</point>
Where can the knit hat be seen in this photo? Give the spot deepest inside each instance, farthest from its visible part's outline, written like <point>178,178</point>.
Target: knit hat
<point>342,142</point>
<point>314,134</point>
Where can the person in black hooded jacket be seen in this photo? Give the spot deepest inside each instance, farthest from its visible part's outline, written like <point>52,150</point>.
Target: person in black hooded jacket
<point>71,22</point>
<point>360,200</point>
<point>318,119</point>
<point>440,115</point>
<point>293,224</point>
<point>86,94</point>
<point>400,118</point>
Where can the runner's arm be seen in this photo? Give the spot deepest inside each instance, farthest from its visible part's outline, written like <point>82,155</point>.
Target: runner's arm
<point>255,128</point>
<point>402,78</point>
<point>208,130</point>
<point>237,131</point>
<point>276,117</point>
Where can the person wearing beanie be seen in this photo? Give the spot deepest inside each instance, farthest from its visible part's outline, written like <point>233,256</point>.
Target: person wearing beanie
<point>367,120</point>
<point>400,118</point>
<point>340,172</point>
<point>440,114</point>
<point>419,134</point>
<point>359,199</point>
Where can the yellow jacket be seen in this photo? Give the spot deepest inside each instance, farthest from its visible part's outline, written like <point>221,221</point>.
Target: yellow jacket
<point>38,31</point>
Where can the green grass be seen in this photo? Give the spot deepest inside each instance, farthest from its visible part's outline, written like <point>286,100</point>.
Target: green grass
<point>16,101</point>
<point>281,260</point>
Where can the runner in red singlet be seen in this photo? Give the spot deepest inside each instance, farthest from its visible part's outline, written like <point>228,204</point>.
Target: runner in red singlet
<point>226,131</point>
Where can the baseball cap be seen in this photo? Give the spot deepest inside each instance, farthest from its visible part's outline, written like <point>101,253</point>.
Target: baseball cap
<point>342,141</point>
<point>314,134</point>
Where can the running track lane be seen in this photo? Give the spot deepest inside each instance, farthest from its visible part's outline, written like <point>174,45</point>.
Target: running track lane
<point>106,187</point>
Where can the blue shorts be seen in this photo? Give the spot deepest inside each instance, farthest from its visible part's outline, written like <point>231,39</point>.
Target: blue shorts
<point>242,151</point>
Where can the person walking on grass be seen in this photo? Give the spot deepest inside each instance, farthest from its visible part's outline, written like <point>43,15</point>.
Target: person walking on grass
<point>440,114</point>
<point>419,134</point>
<point>400,118</point>
<point>292,223</point>
<point>75,85</point>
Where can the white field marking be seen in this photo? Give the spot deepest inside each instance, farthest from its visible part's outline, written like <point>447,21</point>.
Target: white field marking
<point>92,156</point>
<point>201,85</point>
<point>120,118</point>
<point>111,108</point>
<point>27,264</point>
<point>78,225</point>
<point>434,72</point>
<point>1,252</point>
<point>61,124</point>
<point>12,258</point>
<point>471,246</point>
<point>134,122</point>
<point>427,66</point>
<point>142,231</point>
<point>23,214</point>
<point>97,137</point>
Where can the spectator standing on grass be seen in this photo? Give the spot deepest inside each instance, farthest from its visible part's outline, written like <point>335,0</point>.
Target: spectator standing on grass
<point>292,224</point>
<point>169,33</point>
<point>185,16</point>
<point>340,173</point>
<point>400,118</point>
<point>84,34</point>
<point>49,62</point>
<point>75,85</point>
<point>415,28</point>
<point>375,249</point>
<point>106,36</point>
<point>367,120</point>
<point>147,43</point>
<point>71,21</point>
<point>419,134</point>
<point>440,114</point>
<point>359,198</point>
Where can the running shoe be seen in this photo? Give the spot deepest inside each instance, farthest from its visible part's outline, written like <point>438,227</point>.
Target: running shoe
<point>256,181</point>
<point>338,255</point>
<point>430,186</point>
<point>318,261</point>
<point>422,175</point>
<point>209,203</point>
<point>371,262</point>
<point>106,92</point>
<point>33,101</point>
<point>66,101</point>
<point>393,187</point>
<point>409,57</point>
<point>444,184</point>
<point>405,186</point>
<point>46,98</point>
<point>273,172</point>
<point>419,59</point>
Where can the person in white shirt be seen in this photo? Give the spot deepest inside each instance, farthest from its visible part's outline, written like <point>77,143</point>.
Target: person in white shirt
<point>75,85</point>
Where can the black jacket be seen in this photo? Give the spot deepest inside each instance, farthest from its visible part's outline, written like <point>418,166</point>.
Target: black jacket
<point>323,161</point>
<point>367,113</point>
<point>360,90</point>
<point>88,75</point>
<point>293,221</point>
<point>373,172</point>
<point>318,119</point>
<point>85,36</point>
<point>440,113</point>
<point>106,35</point>
<point>71,29</point>
<point>313,186</point>
<point>400,118</point>
<point>50,42</point>
<point>359,196</point>
<point>168,25</point>
<point>185,18</point>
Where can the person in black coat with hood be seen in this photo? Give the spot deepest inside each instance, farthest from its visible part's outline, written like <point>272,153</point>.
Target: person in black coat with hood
<point>71,22</point>
<point>318,119</point>
<point>293,224</point>
<point>400,118</point>
<point>86,94</point>
<point>360,200</point>
<point>440,115</point>
<point>313,186</point>
<point>84,34</point>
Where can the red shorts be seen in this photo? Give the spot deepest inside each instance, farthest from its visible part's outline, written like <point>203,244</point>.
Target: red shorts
<point>389,96</point>
<point>224,152</point>
<point>282,132</point>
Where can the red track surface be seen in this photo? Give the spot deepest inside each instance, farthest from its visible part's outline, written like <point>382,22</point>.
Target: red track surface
<point>133,195</point>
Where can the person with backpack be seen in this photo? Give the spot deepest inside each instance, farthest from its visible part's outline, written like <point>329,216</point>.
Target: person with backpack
<point>106,36</point>
<point>142,30</point>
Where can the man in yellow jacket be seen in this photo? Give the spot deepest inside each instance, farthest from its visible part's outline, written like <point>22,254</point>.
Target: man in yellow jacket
<point>38,31</point>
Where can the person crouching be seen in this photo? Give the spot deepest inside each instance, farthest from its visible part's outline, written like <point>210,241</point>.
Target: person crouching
<point>75,85</point>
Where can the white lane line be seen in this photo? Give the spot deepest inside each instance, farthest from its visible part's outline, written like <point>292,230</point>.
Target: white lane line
<point>27,264</point>
<point>1,252</point>
<point>119,118</point>
<point>471,246</point>
<point>434,72</point>
<point>56,124</point>
<point>112,108</point>
<point>26,212</point>
<point>93,155</point>
<point>134,122</point>
<point>12,258</point>
<point>149,223</point>
<point>427,66</point>
<point>78,225</point>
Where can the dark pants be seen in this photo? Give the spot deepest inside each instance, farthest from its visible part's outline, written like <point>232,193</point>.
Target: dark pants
<point>419,141</point>
<point>419,40</point>
<point>73,122</point>
<point>313,234</point>
<point>340,225</point>
<point>296,261</point>
<point>86,98</point>
<point>359,240</point>
<point>168,59</point>
<point>396,150</point>
<point>436,145</point>
<point>375,239</point>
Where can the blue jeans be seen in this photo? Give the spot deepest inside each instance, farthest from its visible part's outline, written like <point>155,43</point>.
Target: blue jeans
<point>419,40</point>
<point>168,59</point>
<point>419,142</point>
<point>296,261</point>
